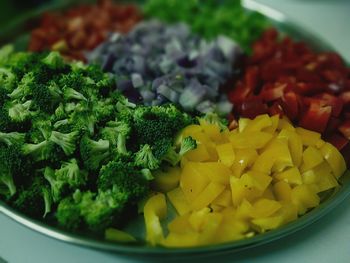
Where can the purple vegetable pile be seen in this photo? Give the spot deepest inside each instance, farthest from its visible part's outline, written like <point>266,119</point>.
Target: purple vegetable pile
<point>158,63</point>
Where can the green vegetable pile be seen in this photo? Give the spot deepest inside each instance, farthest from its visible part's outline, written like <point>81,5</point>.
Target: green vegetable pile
<point>210,19</point>
<point>73,149</point>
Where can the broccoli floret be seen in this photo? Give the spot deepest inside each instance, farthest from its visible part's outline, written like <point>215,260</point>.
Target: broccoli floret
<point>41,151</point>
<point>66,141</point>
<point>117,133</point>
<point>93,152</point>
<point>213,118</point>
<point>7,79</point>
<point>82,120</point>
<point>34,200</point>
<point>152,124</point>
<point>13,167</point>
<point>125,176</point>
<point>187,144</point>
<point>53,60</point>
<point>19,112</point>
<point>68,212</point>
<point>104,110</point>
<point>12,138</point>
<point>46,96</point>
<point>72,174</point>
<point>58,186</point>
<point>91,210</point>
<point>173,157</point>
<point>70,93</point>
<point>24,87</point>
<point>145,158</point>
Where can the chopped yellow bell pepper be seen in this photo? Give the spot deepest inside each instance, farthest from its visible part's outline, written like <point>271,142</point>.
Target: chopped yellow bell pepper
<point>255,140</point>
<point>311,158</point>
<point>179,201</point>
<point>155,209</point>
<point>226,154</point>
<point>334,159</point>
<point>166,180</point>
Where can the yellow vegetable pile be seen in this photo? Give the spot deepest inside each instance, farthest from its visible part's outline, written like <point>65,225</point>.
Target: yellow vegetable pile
<point>242,182</point>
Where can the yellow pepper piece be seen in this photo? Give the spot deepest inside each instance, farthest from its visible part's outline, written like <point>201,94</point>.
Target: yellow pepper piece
<point>291,176</point>
<point>264,208</point>
<point>210,226</point>
<point>192,182</point>
<point>334,159</point>
<point>311,158</point>
<point>117,235</point>
<point>284,123</point>
<point>212,191</point>
<point>304,198</point>
<point>268,223</point>
<point>180,224</point>
<point>259,123</point>
<point>224,199</point>
<point>283,191</point>
<point>226,154</point>
<point>321,177</point>
<point>295,145</point>
<point>274,125</point>
<point>275,157</point>
<point>155,209</point>
<point>215,172</point>
<point>243,123</point>
<point>288,211</point>
<point>188,239</point>
<point>244,159</point>
<point>166,180</point>
<point>250,186</point>
<point>197,218</point>
<point>309,138</point>
<point>255,140</point>
<point>179,201</point>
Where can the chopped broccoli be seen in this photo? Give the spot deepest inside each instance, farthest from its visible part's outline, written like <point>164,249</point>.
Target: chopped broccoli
<point>39,151</point>
<point>187,144</point>
<point>72,174</point>
<point>7,79</point>
<point>125,176</point>
<point>53,60</point>
<point>58,186</point>
<point>12,138</point>
<point>65,141</point>
<point>94,211</point>
<point>13,167</point>
<point>213,118</point>
<point>173,157</point>
<point>19,112</point>
<point>152,124</point>
<point>93,152</point>
<point>34,200</point>
<point>117,134</point>
<point>70,93</point>
<point>68,212</point>
<point>145,158</point>
<point>24,87</point>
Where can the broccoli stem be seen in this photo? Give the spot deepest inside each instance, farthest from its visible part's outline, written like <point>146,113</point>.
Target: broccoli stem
<point>7,179</point>
<point>12,138</point>
<point>65,141</point>
<point>70,93</point>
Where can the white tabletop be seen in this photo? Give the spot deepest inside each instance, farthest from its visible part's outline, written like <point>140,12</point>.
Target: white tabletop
<point>327,240</point>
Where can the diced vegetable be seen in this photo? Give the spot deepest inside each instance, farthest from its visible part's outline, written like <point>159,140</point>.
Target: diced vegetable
<point>250,188</point>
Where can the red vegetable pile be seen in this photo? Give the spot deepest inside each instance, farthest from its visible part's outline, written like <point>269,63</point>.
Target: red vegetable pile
<point>288,78</point>
<point>82,28</point>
